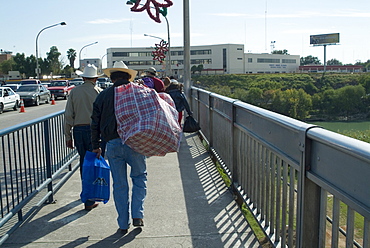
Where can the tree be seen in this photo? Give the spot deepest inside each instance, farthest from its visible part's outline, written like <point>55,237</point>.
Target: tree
<point>280,52</point>
<point>349,99</point>
<point>292,102</point>
<point>55,65</point>
<point>7,65</point>
<point>254,96</point>
<point>194,68</point>
<point>334,62</point>
<point>309,60</point>
<point>71,55</point>
<point>198,68</point>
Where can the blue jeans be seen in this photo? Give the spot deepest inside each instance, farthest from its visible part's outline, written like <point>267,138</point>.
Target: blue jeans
<point>119,156</point>
<point>82,141</point>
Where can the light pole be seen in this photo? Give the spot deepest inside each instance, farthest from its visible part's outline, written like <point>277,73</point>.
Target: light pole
<point>153,36</point>
<point>168,64</point>
<point>37,49</point>
<point>79,55</point>
<point>187,74</point>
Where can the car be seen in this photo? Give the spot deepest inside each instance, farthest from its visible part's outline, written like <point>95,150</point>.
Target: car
<point>76,82</point>
<point>14,87</point>
<point>60,88</point>
<point>34,94</point>
<point>30,81</point>
<point>104,83</point>
<point>46,84</point>
<point>8,99</point>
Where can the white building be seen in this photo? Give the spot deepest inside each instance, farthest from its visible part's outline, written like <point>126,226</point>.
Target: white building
<point>92,61</point>
<point>216,59</point>
<point>271,63</point>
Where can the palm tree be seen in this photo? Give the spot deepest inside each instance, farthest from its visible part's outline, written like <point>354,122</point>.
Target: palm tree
<point>71,55</point>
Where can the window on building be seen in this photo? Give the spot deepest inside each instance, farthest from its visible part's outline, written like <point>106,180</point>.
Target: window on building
<point>224,57</point>
<point>200,52</point>
<point>250,60</point>
<point>177,53</point>
<point>289,61</point>
<point>132,54</point>
<point>120,54</point>
<point>177,62</point>
<point>201,61</point>
<point>240,58</point>
<point>264,60</point>
<point>240,49</point>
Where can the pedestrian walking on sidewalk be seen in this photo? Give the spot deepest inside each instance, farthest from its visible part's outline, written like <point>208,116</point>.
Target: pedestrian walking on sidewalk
<point>78,117</point>
<point>175,91</point>
<point>151,80</point>
<point>120,155</point>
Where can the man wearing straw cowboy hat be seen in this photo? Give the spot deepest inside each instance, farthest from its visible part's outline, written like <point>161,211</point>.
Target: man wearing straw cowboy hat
<point>78,116</point>
<point>104,125</point>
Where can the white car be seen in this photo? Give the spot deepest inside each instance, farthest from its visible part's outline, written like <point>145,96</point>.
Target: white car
<point>8,99</point>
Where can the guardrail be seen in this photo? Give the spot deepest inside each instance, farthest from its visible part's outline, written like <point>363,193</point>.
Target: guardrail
<point>306,186</point>
<point>34,164</point>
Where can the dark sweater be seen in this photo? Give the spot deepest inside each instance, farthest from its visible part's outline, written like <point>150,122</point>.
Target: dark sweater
<point>103,119</point>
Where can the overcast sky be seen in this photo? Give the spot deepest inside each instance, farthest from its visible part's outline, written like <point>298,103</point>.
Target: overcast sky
<point>254,23</point>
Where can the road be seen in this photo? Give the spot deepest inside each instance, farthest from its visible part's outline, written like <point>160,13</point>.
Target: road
<point>10,117</point>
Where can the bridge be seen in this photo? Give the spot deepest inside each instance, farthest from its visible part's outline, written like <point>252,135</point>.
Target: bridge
<point>298,184</point>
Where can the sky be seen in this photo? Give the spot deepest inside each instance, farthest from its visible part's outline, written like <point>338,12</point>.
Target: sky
<point>254,23</point>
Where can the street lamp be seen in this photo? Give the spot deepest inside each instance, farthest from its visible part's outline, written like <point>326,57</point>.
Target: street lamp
<point>168,64</point>
<point>37,50</point>
<point>103,57</point>
<point>153,36</point>
<point>79,55</point>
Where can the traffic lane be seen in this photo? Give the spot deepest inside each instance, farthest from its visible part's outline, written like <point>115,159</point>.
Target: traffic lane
<point>10,117</point>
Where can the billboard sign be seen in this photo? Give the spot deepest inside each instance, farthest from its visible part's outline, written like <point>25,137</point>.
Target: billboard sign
<point>322,39</point>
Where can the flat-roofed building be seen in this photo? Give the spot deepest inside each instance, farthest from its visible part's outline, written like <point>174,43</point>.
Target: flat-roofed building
<point>271,63</point>
<point>215,59</point>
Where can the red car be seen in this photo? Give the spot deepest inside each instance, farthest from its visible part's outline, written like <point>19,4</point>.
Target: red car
<point>60,88</point>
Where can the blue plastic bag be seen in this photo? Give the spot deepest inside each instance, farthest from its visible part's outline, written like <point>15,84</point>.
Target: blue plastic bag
<point>95,179</point>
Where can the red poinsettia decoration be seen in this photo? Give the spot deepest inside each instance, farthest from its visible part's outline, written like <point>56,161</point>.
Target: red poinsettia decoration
<point>151,6</point>
<point>160,50</point>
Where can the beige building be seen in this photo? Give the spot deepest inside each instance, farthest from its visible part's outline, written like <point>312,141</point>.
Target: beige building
<point>215,59</point>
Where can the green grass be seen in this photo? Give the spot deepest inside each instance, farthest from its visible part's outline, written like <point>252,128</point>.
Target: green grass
<point>360,135</point>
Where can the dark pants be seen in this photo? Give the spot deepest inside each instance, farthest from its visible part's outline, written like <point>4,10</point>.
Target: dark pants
<point>82,141</point>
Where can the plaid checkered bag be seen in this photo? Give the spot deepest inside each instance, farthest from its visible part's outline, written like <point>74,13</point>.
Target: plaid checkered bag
<point>146,122</point>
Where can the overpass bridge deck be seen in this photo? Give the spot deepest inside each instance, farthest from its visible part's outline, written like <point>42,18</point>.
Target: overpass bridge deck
<point>187,205</point>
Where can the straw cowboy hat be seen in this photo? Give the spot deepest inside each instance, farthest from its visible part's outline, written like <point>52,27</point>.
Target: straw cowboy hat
<point>120,66</point>
<point>90,71</point>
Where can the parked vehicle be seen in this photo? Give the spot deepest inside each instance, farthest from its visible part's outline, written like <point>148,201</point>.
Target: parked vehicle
<point>46,84</point>
<point>60,88</point>
<point>14,87</point>
<point>104,83</point>
<point>76,81</point>
<point>30,81</point>
<point>8,99</point>
<point>34,94</point>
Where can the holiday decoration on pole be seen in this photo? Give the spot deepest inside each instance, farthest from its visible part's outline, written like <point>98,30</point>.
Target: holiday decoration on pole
<point>151,6</point>
<point>160,51</point>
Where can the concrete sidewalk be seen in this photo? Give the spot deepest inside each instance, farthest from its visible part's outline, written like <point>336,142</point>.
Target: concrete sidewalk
<point>187,205</point>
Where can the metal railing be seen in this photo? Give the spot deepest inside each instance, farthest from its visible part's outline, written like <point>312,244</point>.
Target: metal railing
<point>34,164</point>
<point>306,186</point>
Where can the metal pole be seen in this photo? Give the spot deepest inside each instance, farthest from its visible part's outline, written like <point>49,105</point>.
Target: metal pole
<point>79,55</point>
<point>168,65</point>
<point>186,48</point>
<point>37,49</point>
<point>324,58</point>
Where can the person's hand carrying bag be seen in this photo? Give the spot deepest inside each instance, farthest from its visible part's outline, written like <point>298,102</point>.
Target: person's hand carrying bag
<point>95,179</point>
<point>190,125</point>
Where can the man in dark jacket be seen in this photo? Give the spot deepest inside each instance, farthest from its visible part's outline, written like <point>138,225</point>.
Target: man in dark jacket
<point>119,155</point>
